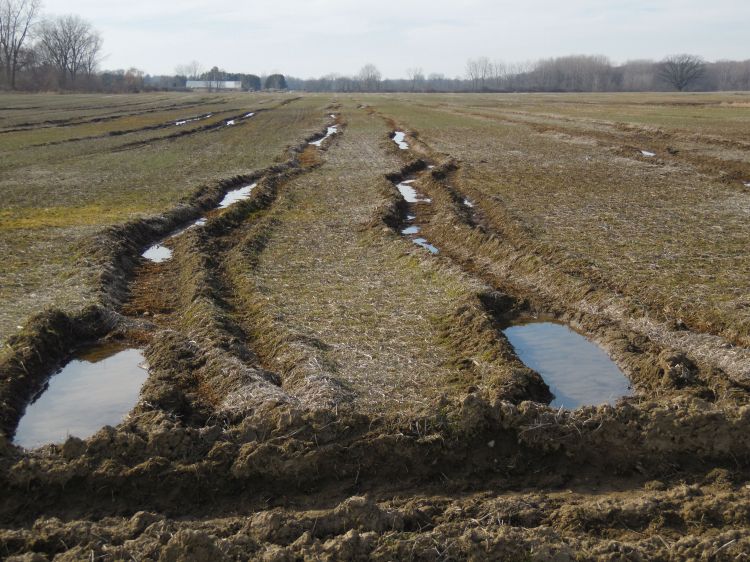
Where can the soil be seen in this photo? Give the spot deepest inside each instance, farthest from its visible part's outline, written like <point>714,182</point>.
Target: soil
<point>322,388</point>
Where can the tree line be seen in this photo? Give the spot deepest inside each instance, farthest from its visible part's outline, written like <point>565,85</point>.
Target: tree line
<point>579,73</point>
<point>64,53</point>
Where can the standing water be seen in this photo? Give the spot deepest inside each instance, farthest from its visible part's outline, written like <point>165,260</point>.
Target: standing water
<point>97,388</point>
<point>578,372</point>
<point>236,195</point>
<point>400,139</point>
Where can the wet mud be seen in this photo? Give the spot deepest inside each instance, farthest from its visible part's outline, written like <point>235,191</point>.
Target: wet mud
<point>228,456</point>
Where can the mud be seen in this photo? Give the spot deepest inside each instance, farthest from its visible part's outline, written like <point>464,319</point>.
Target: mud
<point>245,445</point>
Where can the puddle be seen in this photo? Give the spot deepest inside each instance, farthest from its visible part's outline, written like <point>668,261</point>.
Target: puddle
<point>411,230</point>
<point>230,122</point>
<point>468,203</point>
<point>410,194</point>
<point>186,121</point>
<point>97,388</point>
<point>249,115</point>
<point>577,371</point>
<point>426,245</point>
<point>411,217</point>
<point>233,197</point>
<point>747,183</point>
<point>157,253</point>
<point>398,138</point>
<point>331,131</point>
<point>648,154</point>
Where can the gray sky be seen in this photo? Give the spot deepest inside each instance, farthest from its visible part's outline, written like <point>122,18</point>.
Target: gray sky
<point>313,37</point>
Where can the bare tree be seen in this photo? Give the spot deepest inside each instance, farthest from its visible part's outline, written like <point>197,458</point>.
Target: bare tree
<point>415,76</point>
<point>478,72</point>
<point>16,20</point>
<point>680,71</point>
<point>70,45</point>
<point>369,78</point>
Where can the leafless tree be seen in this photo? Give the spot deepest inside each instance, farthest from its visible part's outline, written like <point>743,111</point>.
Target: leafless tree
<point>478,71</point>
<point>416,77</point>
<point>369,78</point>
<point>680,71</point>
<point>70,45</point>
<point>17,17</point>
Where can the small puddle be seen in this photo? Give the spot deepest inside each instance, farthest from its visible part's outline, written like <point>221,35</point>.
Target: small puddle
<point>97,388</point>
<point>234,196</point>
<point>331,131</point>
<point>399,138</point>
<point>186,121</point>
<point>468,203</point>
<point>578,372</point>
<point>157,253</point>
<point>249,115</point>
<point>425,244</point>
<point>230,122</point>
<point>648,154</point>
<point>410,194</point>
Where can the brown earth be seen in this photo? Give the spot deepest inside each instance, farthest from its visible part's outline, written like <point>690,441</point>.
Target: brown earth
<point>322,388</point>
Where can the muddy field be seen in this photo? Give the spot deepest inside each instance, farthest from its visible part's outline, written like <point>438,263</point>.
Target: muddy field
<point>322,313</point>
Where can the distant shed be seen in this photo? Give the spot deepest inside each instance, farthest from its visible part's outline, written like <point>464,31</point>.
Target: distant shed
<point>211,85</point>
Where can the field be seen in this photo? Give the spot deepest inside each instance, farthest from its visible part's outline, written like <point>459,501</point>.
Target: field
<point>321,387</point>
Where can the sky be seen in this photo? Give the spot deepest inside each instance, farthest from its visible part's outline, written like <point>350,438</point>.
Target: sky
<point>310,38</point>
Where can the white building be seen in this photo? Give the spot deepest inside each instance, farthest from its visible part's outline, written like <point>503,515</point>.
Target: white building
<point>213,85</point>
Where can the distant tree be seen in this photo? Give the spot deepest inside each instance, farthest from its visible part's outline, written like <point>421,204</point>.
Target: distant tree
<point>251,82</point>
<point>416,77</point>
<point>369,78</point>
<point>680,71</point>
<point>70,45</point>
<point>478,71</point>
<point>133,80</point>
<point>276,82</point>
<point>16,20</point>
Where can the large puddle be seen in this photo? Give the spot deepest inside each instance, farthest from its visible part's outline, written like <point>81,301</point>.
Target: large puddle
<point>97,388</point>
<point>578,372</point>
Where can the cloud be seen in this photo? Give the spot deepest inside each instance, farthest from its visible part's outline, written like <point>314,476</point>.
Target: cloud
<point>314,37</point>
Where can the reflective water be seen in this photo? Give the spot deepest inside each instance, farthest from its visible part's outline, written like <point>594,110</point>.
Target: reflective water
<point>97,388</point>
<point>411,230</point>
<point>648,154</point>
<point>410,194</point>
<point>157,253</point>
<point>426,245</point>
<point>399,139</point>
<point>331,131</point>
<point>235,195</point>
<point>468,203</point>
<point>577,371</point>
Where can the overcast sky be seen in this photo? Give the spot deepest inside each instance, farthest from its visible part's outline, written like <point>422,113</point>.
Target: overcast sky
<point>314,37</point>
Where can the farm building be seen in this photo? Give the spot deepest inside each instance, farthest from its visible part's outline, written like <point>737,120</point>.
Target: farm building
<point>213,85</point>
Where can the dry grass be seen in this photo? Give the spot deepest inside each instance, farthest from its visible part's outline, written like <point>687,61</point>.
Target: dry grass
<point>668,232</point>
<point>56,196</point>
